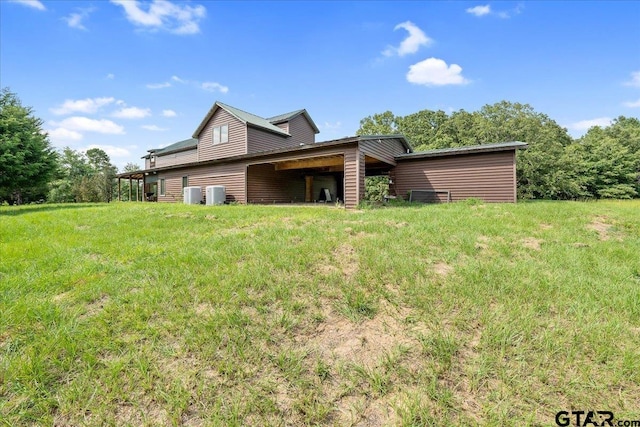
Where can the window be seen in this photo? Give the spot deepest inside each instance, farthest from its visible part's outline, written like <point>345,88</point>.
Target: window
<point>162,186</point>
<point>152,161</point>
<point>185,181</point>
<point>221,134</point>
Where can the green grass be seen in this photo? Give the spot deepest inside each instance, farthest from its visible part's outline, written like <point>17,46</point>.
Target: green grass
<point>454,314</point>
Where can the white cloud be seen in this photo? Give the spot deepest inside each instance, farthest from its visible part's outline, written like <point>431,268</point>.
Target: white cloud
<point>435,72</point>
<point>585,125</point>
<point>85,124</point>
<point>111,76</point>
<point>87,106</point>
<point>635,79</point>
<point>111,150</point>
<point>35,4</point>
<point>163,15</point>
<point>479,10</point>
<point>132,113</point>
<point>632,104</point>
<point>332,126</point>
<point>178,79</point>
<point>213,87</point>
<point>412,43</point>
<point>153,128</point>
<point>61,135</point>
<point>158,85</point>
<point>169,113</point>
<point>75,19</point>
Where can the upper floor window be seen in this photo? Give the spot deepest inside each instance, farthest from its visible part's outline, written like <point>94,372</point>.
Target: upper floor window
<point>152,162</point>
<point>221,134</point>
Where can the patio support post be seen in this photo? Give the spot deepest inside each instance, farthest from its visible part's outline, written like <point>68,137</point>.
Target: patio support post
<point>130,184</point>
<point>308,194</point>
<point>118,188</point>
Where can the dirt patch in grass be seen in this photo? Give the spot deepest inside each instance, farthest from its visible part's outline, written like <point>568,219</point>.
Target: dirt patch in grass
<point>443,269</point>
<point>532,243</point>
<point>346,260</point>
<point>600,226</point>
<point>95,307</point>
<point>546,226</point>
<point>339,339</point>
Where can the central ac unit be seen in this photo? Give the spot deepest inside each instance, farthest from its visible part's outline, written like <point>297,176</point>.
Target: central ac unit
<point>216,194</point>
<point>192,195</point>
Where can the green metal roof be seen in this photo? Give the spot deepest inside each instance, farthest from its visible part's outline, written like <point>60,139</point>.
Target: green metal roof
<point>177,146</point>
<point>500,146</point>
<point>289,116</point>
<point>248,118</point>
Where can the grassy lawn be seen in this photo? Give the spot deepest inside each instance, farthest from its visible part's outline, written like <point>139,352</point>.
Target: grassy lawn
<point>460,314</point>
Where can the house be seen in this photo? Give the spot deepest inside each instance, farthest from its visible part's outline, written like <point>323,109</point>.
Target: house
<point>277,160</point>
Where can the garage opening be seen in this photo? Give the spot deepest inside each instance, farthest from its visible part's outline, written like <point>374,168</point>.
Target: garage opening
<point>311,180</point>
<point>377,180</point>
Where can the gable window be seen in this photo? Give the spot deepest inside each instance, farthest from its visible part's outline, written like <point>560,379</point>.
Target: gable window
<point>152,161</point>
<point>220,134</point>
<point>185,182</point>
<point>162,186</point>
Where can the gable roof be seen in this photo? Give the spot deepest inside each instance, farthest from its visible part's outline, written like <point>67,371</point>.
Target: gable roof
<point>186,144</point>
<point>290,116</point>
<point>243,116</point>
<point>500,146</point>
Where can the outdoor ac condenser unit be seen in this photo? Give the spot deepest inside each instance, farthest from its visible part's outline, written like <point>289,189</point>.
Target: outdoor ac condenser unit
<point>192,195</point>
<point>216,194</point>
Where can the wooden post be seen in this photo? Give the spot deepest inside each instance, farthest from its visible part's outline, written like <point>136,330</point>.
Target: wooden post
<point>130,183</point>
<point>137,190</point>
<point>144,187</point>
<point>308,194</point>
<point>118,188</point>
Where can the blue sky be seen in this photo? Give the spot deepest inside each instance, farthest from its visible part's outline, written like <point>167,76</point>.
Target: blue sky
<point>127,76</point>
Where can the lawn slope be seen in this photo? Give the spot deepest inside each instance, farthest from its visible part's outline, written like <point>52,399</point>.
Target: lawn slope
<point>461,314</point>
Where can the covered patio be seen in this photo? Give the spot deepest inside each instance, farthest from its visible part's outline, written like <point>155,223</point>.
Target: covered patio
<point>145,184</point>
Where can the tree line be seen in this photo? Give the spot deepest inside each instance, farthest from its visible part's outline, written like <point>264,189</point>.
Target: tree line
<point>603,163</point>
<point>32,171</point>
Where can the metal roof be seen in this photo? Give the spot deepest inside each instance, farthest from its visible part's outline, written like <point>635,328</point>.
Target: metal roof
<point>186,144</point>
<point>500,146</point>
<point>289,116</point>
<point>243,116</point>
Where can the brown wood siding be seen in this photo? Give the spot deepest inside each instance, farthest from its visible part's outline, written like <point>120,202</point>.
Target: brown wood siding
<point>487,176</point>
<point>237,144</point>
<point>284,126</point>
<point>177,158</point>
<point>385,150</point>
<point>266,185</point>
<point>353,177</point>
<point>259,140</point>
<point>301,131</point>
<point>232,176</point>
<point>147,163</point>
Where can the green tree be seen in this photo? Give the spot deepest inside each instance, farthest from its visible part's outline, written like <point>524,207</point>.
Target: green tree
<point>104,173</point>
<point>608,166</point>
<point>378,124</point>
<point>27,160</point>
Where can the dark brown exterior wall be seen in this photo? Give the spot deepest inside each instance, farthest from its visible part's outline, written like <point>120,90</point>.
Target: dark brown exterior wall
<point>177,158</point>
<point>386,150</point>
<point>299,128</point>
<point>237,144</point>
<point>488,176</point>
<point>266,185</point>
<point>232,176</point>
<point>353,177</point>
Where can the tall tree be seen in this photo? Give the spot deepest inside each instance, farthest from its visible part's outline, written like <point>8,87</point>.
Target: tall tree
<point>378,124</point>
<point>27,160</point>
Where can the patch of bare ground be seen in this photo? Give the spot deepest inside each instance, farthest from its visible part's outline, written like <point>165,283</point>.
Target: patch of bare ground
<point>95,307</point>
<point>443,269</point>
<point>532,243</point>
<point>600,226</point>
<point>61,297</point>
<point>459,378</point>
<point>546,226</point>
<point>345,260</point>
<point>149,413</point>
<point>482,243</point>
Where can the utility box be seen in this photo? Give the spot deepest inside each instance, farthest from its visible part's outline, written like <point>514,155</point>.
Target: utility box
<point>192,195</point>
<point>216,194</point>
